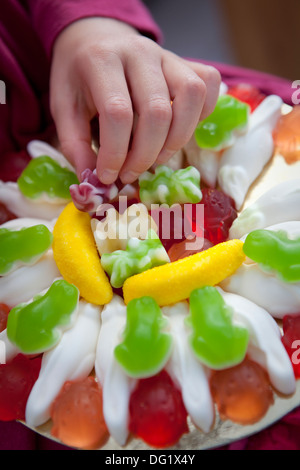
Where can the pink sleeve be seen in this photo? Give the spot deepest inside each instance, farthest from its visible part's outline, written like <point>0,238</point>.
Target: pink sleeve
<point>50,17</point>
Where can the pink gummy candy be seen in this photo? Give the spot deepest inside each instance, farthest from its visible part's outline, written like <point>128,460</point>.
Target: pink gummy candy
<point>242,393</point>
<point>77,415</point>
<point>17,378</point>
<point>90,193</point>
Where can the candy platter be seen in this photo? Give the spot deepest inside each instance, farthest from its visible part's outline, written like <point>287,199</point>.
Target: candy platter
<point>224,431</point>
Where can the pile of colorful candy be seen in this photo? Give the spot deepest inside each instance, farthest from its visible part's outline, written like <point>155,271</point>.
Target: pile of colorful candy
<point>127,311</point>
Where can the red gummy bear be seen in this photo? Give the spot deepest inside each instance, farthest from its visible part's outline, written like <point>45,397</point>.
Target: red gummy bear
<point>17,378</point>
<point>12,164</point>
<point>5,214</point>
<point>219,214</point>
<point>242,393</point>
<point>248,94</point>
<point>4,311</point>
<point>157,412</point>
<point>291,340</point>
<point>77,415</point>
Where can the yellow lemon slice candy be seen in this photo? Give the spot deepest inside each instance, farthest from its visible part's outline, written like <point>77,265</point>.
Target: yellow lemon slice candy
<point>174,282</point>
<point>77,258</point>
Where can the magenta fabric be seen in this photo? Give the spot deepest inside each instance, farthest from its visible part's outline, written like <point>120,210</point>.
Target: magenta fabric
<point>266,83</point>
<point>28,29</point>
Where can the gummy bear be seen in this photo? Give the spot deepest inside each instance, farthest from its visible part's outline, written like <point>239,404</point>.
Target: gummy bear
<point>167,186</point>
<point>37,326</point>
<point>145,348</point>
<point>157,412</point>
<point>291,340</point>
<point>139,256</point>
<point>12,164</point>
<point>17,378</point>
<point>274,251</point>
<point>5,214</point>
<point>214,339</point>
<point>77,415</point>
<point>219,214</point>
<point>4,311</point>
<point>218,129</point>
<point>23,247</point>
<point>248,94</point>
<point>43,175</point>
<point>242,393</point>
<point>286,135</point>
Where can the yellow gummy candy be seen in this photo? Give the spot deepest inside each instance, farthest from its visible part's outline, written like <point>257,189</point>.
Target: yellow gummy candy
<point>174,282</point>
<point>77,258</point>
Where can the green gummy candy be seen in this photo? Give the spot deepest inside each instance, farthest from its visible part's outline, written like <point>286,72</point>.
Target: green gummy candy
<point>274,251</point>
<point>139,256</point>
<point>167,186</point>
<point>145,348</point>
<point>21,247</point>
<point>43,175</point>
<point>216,130</point>
<point>215,340</point>
<point>38,326</point>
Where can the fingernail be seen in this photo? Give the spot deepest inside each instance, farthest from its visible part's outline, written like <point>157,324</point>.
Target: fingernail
<point>108,176</point>
<point>129,177</point>
<point>164,156</point>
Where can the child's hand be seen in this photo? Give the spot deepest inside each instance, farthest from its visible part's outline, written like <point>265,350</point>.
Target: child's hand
<point>102,66</point>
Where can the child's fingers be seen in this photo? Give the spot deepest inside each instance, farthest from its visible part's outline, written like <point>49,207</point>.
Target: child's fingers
<point>189,93</point>
<point>212,79</point>
<point>152,105</point>
<point>74,134</point>
<point>195,91</point>
<point>109,93</point>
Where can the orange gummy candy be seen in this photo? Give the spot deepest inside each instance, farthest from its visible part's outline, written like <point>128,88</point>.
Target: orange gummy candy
<point>77,415</point>
<point>242,393</point>
<point>286,135</point>
<point>181,250</point>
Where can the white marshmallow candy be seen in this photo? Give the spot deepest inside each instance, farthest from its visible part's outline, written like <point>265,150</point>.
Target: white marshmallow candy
<point>72,358</point>
<point>280,204</point>
<point>11,196</point>
<point>265,346</point>
<point>187,372</point>
<point>244,161</point>
<point>116,385</point>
